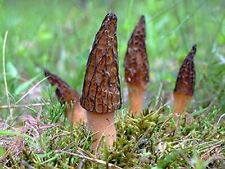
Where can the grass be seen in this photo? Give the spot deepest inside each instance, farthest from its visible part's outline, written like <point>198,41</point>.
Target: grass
<point>144,142</point>
<point>58,35</point>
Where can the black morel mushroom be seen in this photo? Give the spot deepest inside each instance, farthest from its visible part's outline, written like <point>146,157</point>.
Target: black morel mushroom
<point>101,95</point>
<point>185,83</point>
<point>137,67</point>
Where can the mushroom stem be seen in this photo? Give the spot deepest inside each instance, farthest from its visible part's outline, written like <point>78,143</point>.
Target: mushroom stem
<point>76,114</point>
<point>102,125</point>
<point>180,103</point>
<point>136,98</point>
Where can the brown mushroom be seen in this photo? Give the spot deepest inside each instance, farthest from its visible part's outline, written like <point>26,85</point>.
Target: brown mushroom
<point>185,84</point>
<point>101,88</point>
<point>66,95</point>
<point>137,67</point>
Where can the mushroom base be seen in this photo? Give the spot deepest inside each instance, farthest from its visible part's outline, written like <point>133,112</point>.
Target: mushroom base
<point>102,125</point>
<point>179,103</point>
<point>136,98</point>
<point>76,114</point>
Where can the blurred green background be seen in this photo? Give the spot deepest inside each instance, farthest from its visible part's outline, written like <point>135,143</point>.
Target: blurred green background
<point>58,35</point>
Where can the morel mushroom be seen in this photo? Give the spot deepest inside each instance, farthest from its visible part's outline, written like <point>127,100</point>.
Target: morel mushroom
<point>66,95</point>
<point>137,67</point>
<point>185,83</point>
<point>101,88</point>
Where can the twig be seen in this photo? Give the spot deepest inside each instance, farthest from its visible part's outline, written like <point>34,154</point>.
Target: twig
<point>4,74</point>
<point>89,158</point>
<point>23,105</point>
<point>32,88</point>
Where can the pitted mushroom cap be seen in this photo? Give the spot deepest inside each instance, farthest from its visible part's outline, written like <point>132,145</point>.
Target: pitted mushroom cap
<point>64,92</point>
<point>136,59</point>
<point>186,77</point>
<point>101,88</point>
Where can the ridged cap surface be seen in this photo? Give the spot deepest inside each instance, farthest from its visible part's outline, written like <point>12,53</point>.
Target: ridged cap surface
<point>101,87</point>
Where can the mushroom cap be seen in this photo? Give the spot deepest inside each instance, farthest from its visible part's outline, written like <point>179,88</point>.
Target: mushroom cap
<point>63,91</point>
<point>136,59</point>
<point>186,77</point>
<point>101,87</point>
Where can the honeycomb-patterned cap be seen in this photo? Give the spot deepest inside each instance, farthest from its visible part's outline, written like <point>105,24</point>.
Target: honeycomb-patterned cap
<point>136,59</point>
<point>63,91</point>
<point>186,77</point>
<point>101,87</point>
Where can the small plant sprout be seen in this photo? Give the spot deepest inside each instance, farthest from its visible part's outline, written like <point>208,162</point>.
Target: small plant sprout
<point>101,95</point>
<point>66,95</point>
<point>137,67</point>
<point>185,84</point>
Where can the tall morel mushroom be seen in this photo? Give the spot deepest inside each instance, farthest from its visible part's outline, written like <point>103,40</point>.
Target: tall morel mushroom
<point>66,95</point>
<point>185,83</point>
<point>137,67</point>
<point>101,88</point>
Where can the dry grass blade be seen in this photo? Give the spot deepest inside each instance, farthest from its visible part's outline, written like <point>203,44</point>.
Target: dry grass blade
<point>12,106</point>
<point>32,88</point>
<point>4,75</point>
<point>90,159</point>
